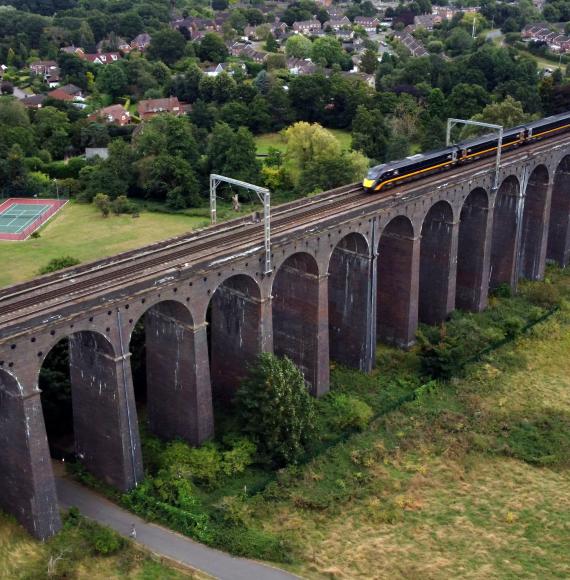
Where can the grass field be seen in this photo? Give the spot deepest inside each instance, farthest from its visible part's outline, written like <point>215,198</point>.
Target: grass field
<point>275,140</point>
<point>80,231</point>
<point>542,62</point>
<point>471,480</point>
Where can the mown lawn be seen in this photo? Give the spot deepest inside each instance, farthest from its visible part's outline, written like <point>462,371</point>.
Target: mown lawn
<point>80,231</point>
<point>275,140</point>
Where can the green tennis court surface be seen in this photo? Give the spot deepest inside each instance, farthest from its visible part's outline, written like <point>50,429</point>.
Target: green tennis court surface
<point>18,216</point>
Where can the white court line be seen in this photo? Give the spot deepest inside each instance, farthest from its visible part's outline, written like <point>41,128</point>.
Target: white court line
<point>30,220</point>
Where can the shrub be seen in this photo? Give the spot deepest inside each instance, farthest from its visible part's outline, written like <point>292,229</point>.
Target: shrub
<point>542,294</point>
<point>102,202</point>
<point>59,264</point>
<point>122,204</point>
<point>277,409</point>
<point>349,412</point>
<point>106,541</point>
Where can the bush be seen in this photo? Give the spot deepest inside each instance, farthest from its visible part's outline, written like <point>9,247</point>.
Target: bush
<point>59,264</point>
<point>208,464</point>
<point>122,204</point>
<point>276,409</point>
<point>349,412</point>
<point>105,541</point>
<point>542,294</point>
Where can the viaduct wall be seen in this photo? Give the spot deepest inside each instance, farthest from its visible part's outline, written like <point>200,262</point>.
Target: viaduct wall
<point>335,290</point>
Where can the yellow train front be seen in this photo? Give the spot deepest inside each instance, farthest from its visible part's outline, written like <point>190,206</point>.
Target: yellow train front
<point>389,174</point>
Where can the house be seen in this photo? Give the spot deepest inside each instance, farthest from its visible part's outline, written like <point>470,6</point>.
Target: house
<point>76,50</point>
<point>369,23</point>
<point>335,12</point>
<point>541,32</point>
<point>299,66</point>
<point>113,115</point>
<point>60,95</point>
<point>226,67</point>
<point>344,35</point>
<point>306,26</point>
<point>151,107</point>
<point>369,80</point>
<point>413,45</point>
<point>44,68</point>
<point>141,42</point>
<point>337,24</point>
<point>235,48</point>
<point>103,57</point>
<point>426,21</point>
<point>254,55</point>
<point>33,101</point>
<point>72,90</point>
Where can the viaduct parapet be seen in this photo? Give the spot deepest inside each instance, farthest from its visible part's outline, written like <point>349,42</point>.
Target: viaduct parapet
<point>349,269</point>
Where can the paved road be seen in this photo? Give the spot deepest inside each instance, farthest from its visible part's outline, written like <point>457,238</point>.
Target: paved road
<point>163,541</point>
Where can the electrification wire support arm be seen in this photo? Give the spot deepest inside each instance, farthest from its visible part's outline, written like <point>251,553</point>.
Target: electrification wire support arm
<point>264,196</point>
<point>498,128</point>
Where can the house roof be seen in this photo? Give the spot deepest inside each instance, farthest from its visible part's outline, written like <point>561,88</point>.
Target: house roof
<point>60,95</point>
<point>158,105</point>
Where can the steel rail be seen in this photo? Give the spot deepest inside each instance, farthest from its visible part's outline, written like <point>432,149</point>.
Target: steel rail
<point>152,258</point>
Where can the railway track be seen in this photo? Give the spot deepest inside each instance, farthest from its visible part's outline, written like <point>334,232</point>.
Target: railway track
<point>38,296</point>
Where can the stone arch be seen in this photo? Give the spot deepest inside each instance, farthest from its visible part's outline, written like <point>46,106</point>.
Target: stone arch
<point>26,476</point>
<point>436,274</point>
<point>503,243</point>
<point>533,230</point>
<point>175,355</point>
<point>350,305</point>
<point>397,283</point>
<point>298,329</point>
<point>558,248</point>
<point>235,332</point>
<point>472,278</point>
<point>106,437</point>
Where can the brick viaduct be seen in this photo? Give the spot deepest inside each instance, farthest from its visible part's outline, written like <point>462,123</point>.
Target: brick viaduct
<point>337,286</point>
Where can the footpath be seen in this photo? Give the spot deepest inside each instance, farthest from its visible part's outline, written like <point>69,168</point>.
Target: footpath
<point>162,541</point>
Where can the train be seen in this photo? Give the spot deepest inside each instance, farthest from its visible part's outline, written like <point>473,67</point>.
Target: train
<point>417,166</point>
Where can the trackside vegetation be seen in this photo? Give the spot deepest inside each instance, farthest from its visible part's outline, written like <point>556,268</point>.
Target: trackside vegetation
<point>453,457</point>
<point>83,549</point>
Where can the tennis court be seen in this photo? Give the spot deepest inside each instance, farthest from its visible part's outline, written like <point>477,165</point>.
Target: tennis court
<point>20,217</point>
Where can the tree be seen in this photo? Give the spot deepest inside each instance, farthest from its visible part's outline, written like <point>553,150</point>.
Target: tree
<point>103,203</point>
<point>509,113</point>
<point>298,46</point>
<point>233,153</point>
<point>112,80</point>
<point>167,134</point>
<point>369,62</point>
<point>459,42</point>
<point>466,100</point>
<point>130,24</point>
<point>328,51</point>
<point>398,147</point>
<point>52,130</point>
<point>271,45</point>
<point>167,45</point>
<point>370,133</point>
<point>276,409</point>
<point>169,178</point>
<point>306,142</point>
<point>328,172</point>
<point>212,48</point>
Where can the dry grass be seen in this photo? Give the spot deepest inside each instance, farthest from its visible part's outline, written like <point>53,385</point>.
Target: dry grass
<point>438,506</point>
<point>21,557</point>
